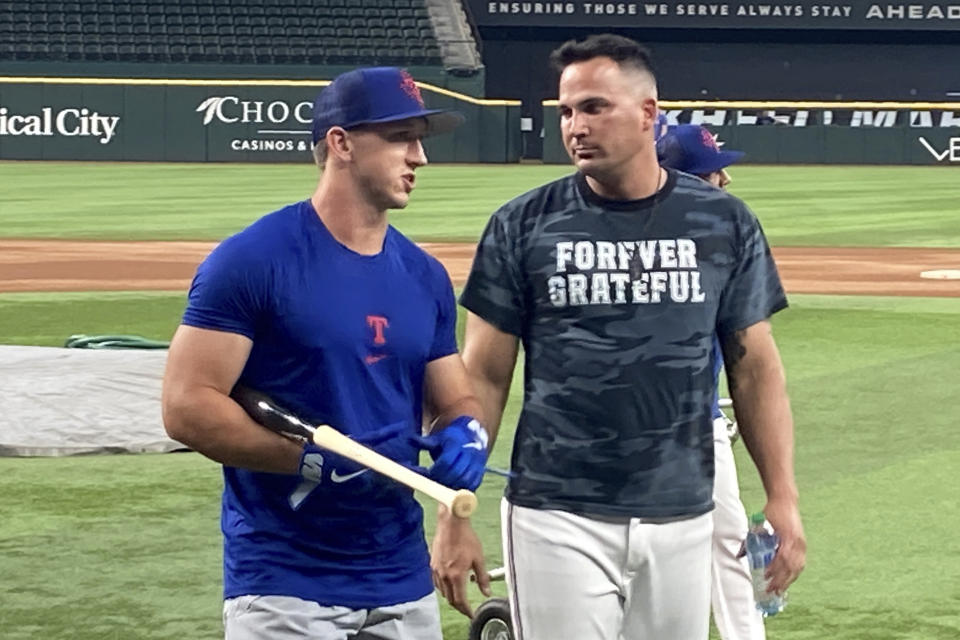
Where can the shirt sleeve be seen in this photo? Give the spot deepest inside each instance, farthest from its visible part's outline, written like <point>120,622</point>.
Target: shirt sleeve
<point>226,293</point>
<point>494,289</point>
<point>445,335</point>
<point>753,292</point>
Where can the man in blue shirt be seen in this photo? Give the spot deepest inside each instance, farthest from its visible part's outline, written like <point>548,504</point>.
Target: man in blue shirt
<point>338,317</point>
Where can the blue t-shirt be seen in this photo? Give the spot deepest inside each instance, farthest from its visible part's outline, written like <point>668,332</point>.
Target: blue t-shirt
<point>338,338</point>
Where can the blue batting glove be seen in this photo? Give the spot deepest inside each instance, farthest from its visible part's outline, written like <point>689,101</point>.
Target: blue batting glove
<point>459,452</point>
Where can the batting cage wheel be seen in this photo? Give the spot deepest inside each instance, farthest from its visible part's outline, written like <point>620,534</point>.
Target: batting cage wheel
<point>491,621</point>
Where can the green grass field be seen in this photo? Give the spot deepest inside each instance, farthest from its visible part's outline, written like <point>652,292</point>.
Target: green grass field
<point>801,206</point>
<point>128,547</point>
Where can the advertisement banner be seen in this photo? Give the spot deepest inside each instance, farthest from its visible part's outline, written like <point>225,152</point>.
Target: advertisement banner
<point>210,121</point>
<point>802,14</point>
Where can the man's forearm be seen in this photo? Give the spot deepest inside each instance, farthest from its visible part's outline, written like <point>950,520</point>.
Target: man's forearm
<point>214,425</point>
<point>763,415</point>
<point>758,388</point>
<point>492,397</point>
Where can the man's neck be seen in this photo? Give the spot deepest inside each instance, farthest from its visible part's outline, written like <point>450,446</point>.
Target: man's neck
<point>637,181</point>
<point>350,219</point>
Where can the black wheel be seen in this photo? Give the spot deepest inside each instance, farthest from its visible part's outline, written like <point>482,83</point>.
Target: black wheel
<point>491,621</point>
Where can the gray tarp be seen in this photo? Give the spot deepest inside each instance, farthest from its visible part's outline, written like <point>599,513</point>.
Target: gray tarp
<point>58,401</point>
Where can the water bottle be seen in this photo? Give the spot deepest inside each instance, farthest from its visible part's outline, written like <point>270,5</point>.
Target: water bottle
<point>761,548</point>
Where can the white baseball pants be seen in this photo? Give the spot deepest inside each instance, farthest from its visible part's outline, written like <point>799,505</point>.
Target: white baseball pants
<point>731,593</point>
<point>597,578</point>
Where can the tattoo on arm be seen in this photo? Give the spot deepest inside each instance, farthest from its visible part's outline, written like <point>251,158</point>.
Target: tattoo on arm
<point>733,352</point>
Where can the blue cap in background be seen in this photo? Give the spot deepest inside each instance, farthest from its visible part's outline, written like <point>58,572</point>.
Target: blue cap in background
<point>372,95</point>
<point>692,149</point>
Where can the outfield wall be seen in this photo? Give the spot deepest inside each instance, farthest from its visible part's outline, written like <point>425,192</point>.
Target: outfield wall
<point>184,120</point>
<point>812,133</point>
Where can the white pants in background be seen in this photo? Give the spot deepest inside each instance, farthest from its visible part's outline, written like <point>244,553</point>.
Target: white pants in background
<point>734,610</point>
<point>597,578</point>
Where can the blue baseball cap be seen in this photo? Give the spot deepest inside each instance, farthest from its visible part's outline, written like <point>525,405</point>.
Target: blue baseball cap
<point>692,149</point>
<point>372,95</point>
<point>661,127</point>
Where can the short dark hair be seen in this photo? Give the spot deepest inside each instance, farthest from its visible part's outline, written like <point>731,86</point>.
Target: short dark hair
<point>320,152</point>
<point>624,51</point>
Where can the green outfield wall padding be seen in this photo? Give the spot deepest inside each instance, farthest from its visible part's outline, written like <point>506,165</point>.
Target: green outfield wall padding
<point>814,144</point>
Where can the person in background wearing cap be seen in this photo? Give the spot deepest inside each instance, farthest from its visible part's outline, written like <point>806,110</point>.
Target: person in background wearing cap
<point>693,149</point>
<point>328,309</point>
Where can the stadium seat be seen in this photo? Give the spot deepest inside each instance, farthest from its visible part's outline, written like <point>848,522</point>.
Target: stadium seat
<point>211,53</point>
<point>178,53</point>
<point>317,55</point>
<point>229,53</point>
<point>144,52</point>
<point>246,54</point>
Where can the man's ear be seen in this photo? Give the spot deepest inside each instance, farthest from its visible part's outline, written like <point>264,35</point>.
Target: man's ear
<point>651,109</point>
<point>339,144</point>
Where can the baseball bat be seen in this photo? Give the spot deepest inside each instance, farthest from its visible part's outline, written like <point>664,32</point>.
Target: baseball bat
<point>269,414</point>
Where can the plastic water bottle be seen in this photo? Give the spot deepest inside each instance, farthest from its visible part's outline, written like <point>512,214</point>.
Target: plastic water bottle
<point>761,548</point>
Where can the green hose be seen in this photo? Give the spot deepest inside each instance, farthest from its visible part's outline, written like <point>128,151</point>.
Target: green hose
<point>82,341</point>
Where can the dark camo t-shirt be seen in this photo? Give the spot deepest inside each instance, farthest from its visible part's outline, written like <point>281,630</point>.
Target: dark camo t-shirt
<point>616,304</point>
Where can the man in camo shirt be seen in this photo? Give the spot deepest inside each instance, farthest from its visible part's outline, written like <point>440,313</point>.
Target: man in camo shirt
<point>616,279</point>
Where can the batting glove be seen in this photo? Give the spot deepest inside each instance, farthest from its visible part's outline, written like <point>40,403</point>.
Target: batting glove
<point>459,452</point>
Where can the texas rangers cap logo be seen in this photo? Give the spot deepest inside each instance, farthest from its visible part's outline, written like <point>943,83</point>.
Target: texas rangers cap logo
<point>410,87</point>
<point>708,140</point>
